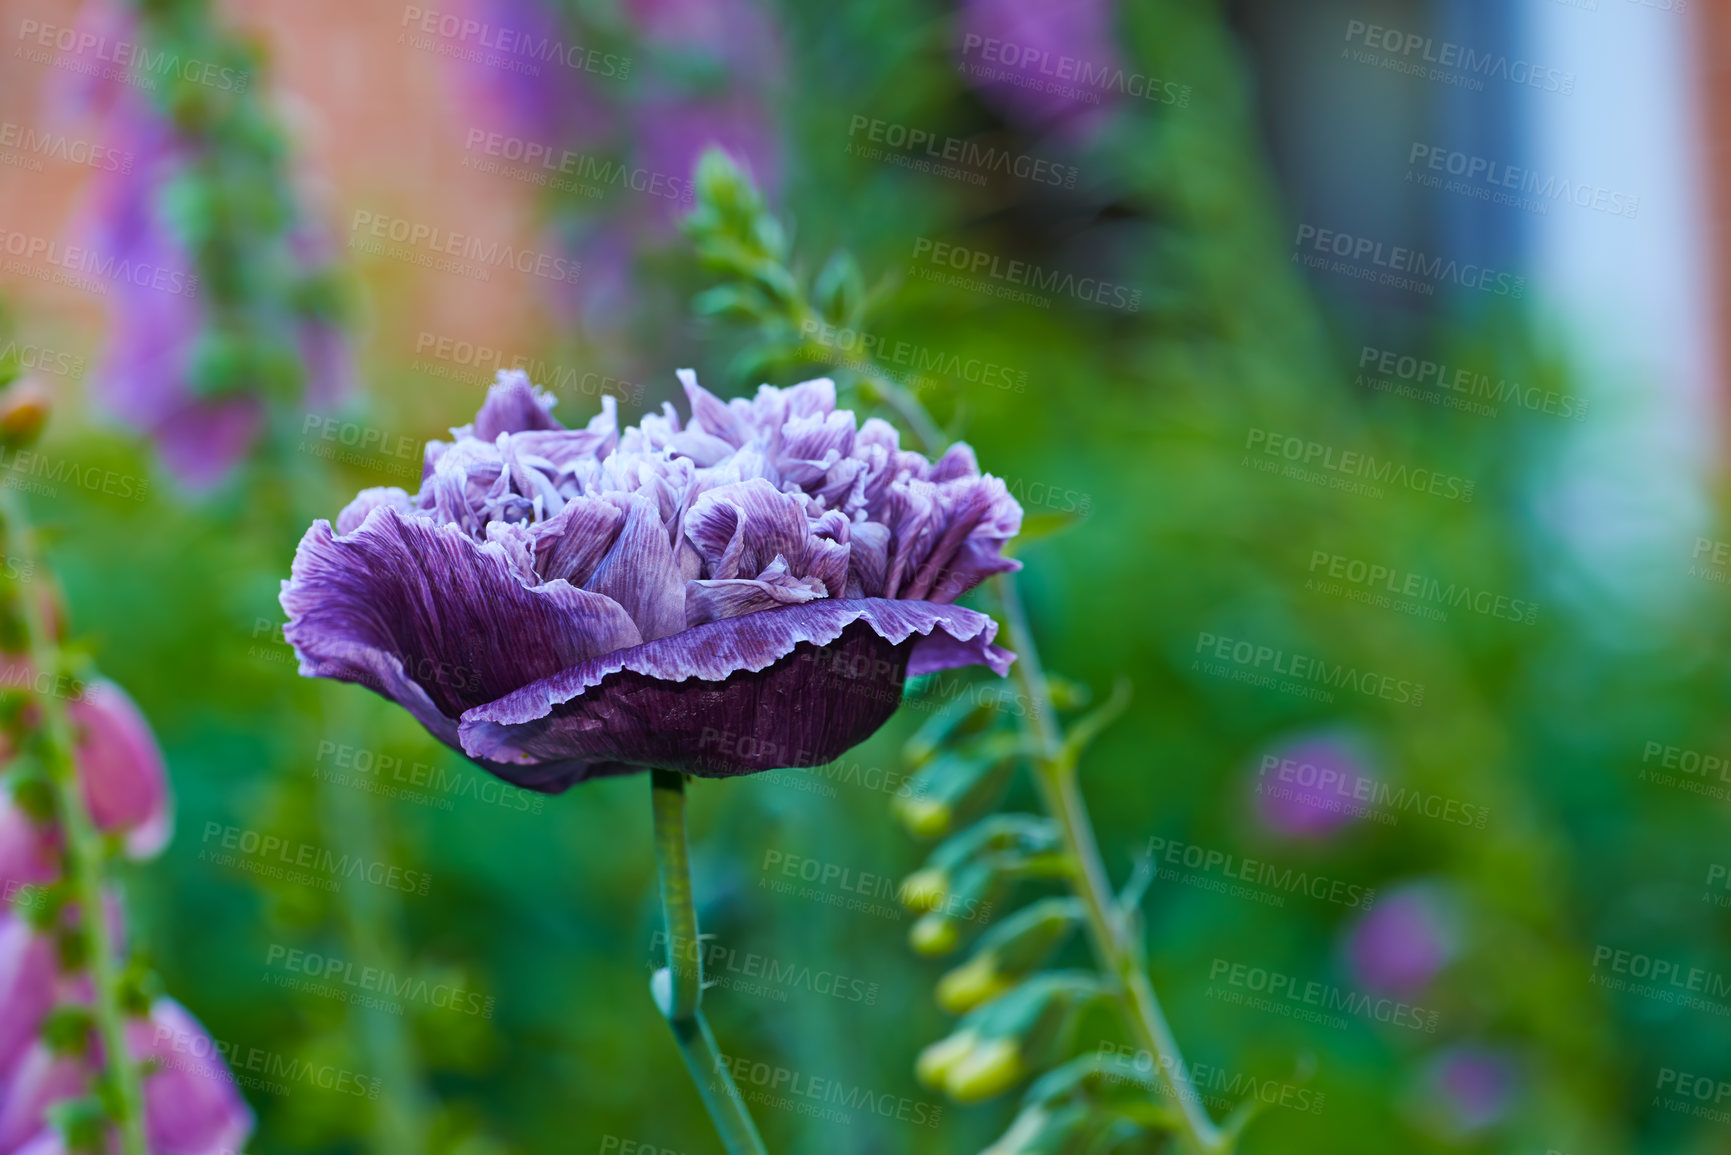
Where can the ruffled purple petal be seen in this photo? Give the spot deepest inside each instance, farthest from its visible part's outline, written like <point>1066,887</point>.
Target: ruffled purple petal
<point>640,573</point>
<point>779,676</point>
<point>712,600</point>
<point>514,406</point>
<point>434,621</point>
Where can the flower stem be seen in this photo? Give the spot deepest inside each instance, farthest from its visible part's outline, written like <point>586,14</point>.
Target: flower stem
<point>371,920</point>
<point>85,853</point>
<point>1055,775</point>
<point>678,988</point>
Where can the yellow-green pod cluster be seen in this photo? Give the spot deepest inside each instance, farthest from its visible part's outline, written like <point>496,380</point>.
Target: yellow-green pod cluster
<point>1000,1043</point>
<point>1009,953</point>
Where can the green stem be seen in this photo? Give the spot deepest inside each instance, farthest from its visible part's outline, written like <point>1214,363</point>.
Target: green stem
<point>1055,775</point>
<point>371,918</point>
<point>905,404</point>
<point>678,988</point>
<point>85,854</point>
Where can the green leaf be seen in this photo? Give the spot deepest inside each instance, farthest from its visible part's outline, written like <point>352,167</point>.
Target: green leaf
<point>839,291</point>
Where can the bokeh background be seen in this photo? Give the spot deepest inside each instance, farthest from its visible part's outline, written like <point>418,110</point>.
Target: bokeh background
<point>1531,196</point>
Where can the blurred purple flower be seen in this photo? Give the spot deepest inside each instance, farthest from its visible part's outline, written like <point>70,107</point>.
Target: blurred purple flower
<point>156,315</point>
<point>1405,940</point>
<point>191,1103</point>
<point>536,92</point>
<point>1310,787</point>
<point>673,132</point>
<point>1466,1089</point>
<point>143,377</point>
<point>1047,64</point>
<point>739,592</point>
<point>675,126</point>
<point>739,34</point>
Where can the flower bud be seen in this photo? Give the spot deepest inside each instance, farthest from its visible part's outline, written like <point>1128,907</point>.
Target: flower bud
<point>924,890</point>
<point>24,406</point>
<point>934,935</point>
<point>121,769</point>
<point>935,1062</point>
<point>1008,953</point>
<point>988,1069</point>
<point>968,898</point>
<point>1009,1036</point>
<point>955,785</point>
<point>975,982</point>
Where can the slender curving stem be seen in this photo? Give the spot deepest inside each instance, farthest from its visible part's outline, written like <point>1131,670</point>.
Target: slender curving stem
<point>1055,775</point>
<point>85,854</point>
<point>678,987</point>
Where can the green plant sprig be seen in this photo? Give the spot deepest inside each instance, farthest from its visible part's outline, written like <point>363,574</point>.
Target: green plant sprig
<point>1018,1016</point>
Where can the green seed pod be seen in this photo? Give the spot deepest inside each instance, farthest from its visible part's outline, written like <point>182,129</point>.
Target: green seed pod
<point>969,897</point>
<point>1008,953</point>
<point>1011,1035</point>
<point>956,785</point>
<point>1001,836</point>
<point>935,1062</point>
<point>924,890</point>
<point>965,876</point>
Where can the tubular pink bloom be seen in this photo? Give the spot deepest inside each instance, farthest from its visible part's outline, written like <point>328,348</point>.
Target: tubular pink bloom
<point>37,1081</point>
<point>1405,941</point>
<point>191,1103</point>
<point>1309,788</point>
<point>26,988</point>
<point>28,856</point>
<point>121,768</point>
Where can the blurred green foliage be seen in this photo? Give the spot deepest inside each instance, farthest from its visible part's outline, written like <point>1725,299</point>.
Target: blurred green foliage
<point>1141,420</point>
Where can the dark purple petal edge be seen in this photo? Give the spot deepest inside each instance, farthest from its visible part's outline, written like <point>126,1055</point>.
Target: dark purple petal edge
<point>950,636</point>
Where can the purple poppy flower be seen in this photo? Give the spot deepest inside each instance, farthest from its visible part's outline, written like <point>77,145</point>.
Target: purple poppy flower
<point>1309,788</point>
<point>1405,940</point>
<point>738,592</point>
<point>1049,64</point>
